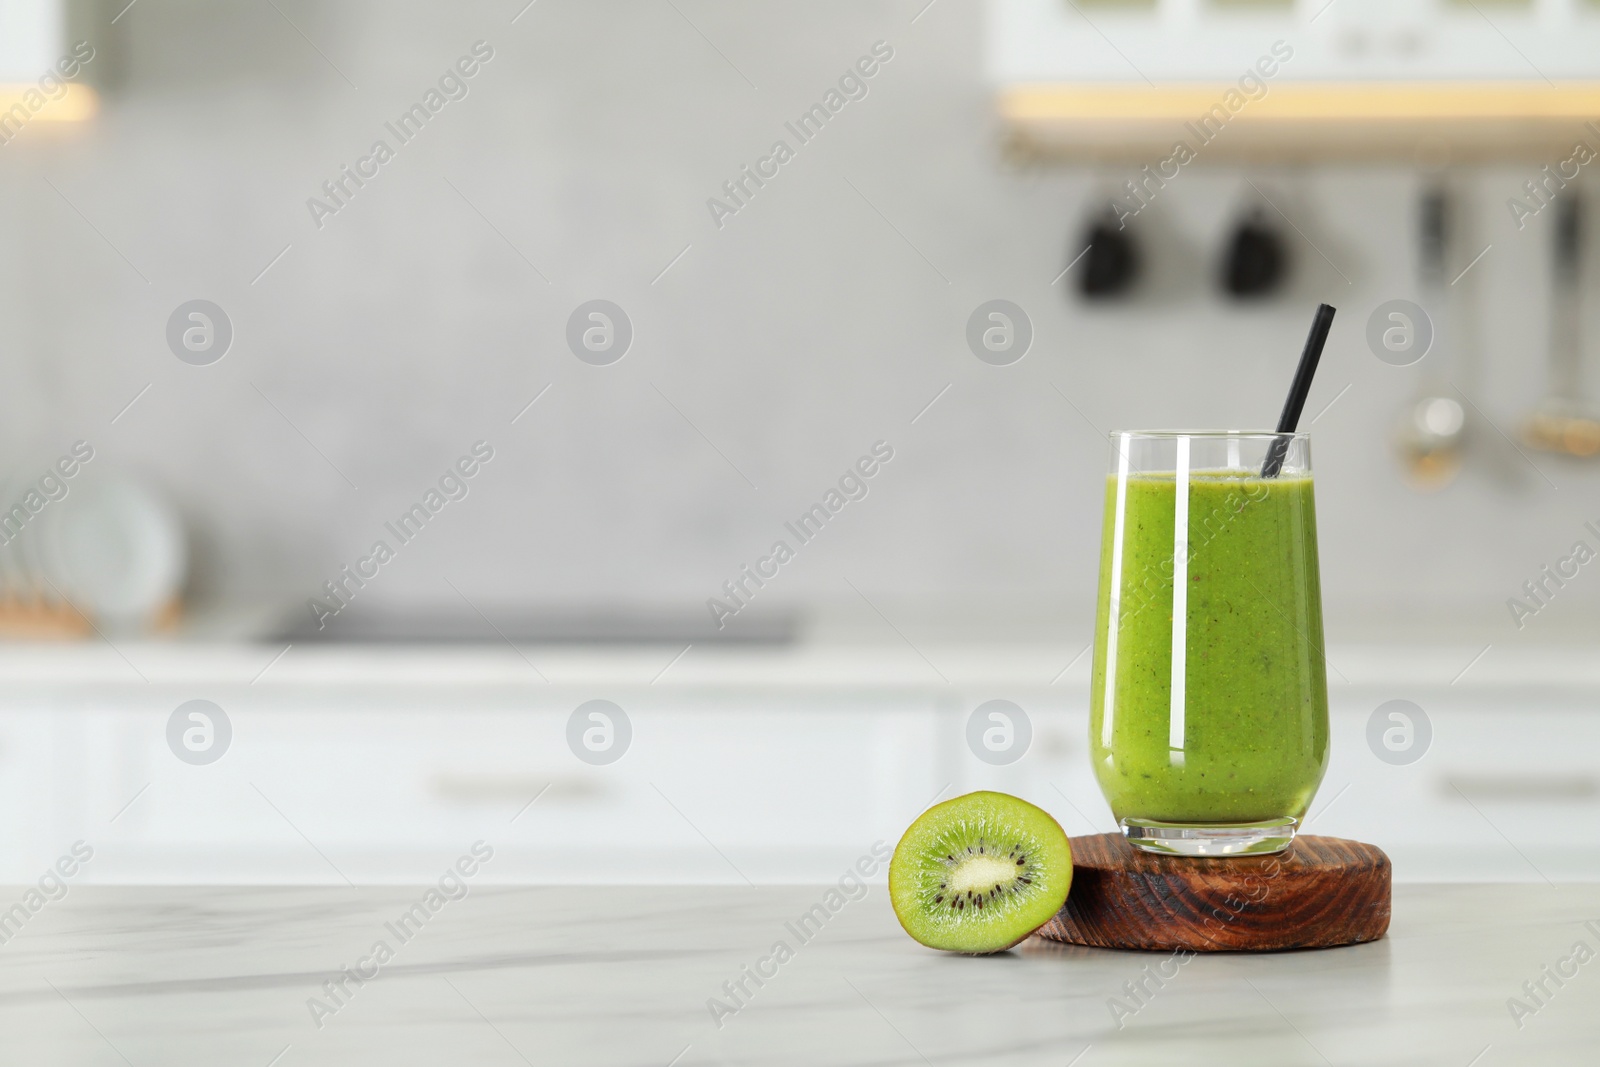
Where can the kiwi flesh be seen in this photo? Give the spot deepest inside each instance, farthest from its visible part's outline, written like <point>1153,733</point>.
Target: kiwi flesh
<point>979,873</point>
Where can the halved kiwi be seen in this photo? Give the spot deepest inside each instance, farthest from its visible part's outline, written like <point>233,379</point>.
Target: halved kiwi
<point>979,873</point>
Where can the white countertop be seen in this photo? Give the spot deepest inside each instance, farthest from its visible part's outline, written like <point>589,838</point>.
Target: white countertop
<point>603,976</point>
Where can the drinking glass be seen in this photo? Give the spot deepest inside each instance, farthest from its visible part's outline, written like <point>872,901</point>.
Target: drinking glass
<point>1208,722</point>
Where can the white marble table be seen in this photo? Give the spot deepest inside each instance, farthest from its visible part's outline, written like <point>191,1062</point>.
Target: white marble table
<point>605,976</point>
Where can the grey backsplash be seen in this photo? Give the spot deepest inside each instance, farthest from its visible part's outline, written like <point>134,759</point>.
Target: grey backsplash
<point>820,319</point>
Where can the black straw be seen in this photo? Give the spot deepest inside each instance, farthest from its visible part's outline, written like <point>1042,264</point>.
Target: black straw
<point>1296,402</point>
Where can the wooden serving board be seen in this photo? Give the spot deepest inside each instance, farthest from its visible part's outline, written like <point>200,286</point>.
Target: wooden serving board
<point>1320,892</point>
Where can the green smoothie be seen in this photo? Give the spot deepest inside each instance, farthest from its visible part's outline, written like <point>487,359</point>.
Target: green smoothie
<point>1248,740</point>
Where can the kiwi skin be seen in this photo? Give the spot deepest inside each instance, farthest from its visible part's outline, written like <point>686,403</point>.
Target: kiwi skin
<point>1049,870</point>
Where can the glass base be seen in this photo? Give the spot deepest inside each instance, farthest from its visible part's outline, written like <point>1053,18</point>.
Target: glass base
<point>1204,839</point>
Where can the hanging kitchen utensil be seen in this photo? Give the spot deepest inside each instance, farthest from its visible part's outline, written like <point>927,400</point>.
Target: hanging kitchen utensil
<point>1111,258</point>
<point>1256,262</point>
<point>1430,434</point>
<point>1564,422</point>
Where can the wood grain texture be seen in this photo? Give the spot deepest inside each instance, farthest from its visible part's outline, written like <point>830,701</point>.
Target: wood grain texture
<point>1320,892</point>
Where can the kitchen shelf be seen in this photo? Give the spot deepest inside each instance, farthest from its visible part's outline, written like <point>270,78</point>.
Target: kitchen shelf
<point>74,103</point>
<point>1426,122</point>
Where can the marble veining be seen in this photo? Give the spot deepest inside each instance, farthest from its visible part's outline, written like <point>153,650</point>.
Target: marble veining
<point>653,975</point>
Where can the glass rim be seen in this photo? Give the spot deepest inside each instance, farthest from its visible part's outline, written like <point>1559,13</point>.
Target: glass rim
<point>1157,435</point>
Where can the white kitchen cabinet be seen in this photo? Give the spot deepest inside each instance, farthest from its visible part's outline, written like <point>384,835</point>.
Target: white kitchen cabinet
<point>1509,789</point>
<point>32,34</point>
<point>323,787</point>
<point>385,780</point>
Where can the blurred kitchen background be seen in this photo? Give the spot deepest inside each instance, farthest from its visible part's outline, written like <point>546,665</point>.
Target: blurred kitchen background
<point>369,349</point>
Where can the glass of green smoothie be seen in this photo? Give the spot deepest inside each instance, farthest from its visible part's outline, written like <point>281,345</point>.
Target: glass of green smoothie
<point>1208,721</point>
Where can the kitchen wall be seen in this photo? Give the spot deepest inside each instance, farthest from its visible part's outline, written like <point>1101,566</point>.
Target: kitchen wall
<point>770,351</point>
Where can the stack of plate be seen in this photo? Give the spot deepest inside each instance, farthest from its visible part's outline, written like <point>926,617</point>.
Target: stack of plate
<point>108,554</point>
